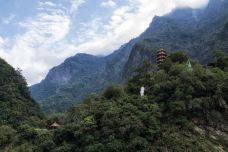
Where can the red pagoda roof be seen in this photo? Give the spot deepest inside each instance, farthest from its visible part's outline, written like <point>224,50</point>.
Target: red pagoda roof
<point>161,56</point>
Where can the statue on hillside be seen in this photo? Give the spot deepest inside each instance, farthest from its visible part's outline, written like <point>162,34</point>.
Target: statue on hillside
<point>142,91</point>
<point>189,65</point>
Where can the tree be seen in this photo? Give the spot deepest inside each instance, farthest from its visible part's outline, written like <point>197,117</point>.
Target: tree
<point>178,57</point>
<point>113,92</point>
<point>221,60</point>
<point>7,134</point>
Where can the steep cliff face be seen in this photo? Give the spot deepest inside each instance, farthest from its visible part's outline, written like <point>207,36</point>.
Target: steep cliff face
<point>70,82</point>
<point>78,69</point>
<point>197,32</point>
<point>144,51</point>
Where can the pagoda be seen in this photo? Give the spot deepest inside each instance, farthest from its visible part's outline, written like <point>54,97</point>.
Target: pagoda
<point>161,56</point>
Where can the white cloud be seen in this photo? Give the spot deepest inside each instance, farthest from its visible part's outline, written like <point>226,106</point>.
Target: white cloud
<point>47,3</point>
<point>1,40</point>
<point>109,4</point>
<point>33,50</point>
<point>75,4</point>
<point>190,3</point>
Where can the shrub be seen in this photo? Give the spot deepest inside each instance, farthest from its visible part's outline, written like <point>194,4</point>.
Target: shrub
<point>7,134</point>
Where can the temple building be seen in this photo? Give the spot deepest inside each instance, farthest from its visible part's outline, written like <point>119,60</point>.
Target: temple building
<point>161,56</point>
<point>55,125</point>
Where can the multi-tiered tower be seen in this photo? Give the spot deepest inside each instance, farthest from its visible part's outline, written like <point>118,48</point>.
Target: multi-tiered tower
<point>161,56</point>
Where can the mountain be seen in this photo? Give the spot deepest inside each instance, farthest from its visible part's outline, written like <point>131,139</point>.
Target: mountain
<point>70,81</point>
<point>79,76</point>
<point>197,32</point>
<point>16,104</point>
<point>183,109</point>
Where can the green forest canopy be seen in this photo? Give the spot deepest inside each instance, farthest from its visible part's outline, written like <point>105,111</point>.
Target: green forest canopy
<point>181,111</point>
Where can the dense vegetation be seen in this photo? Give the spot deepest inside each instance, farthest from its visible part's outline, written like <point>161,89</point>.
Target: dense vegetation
<point>184,109</point>
<point>16,106</point>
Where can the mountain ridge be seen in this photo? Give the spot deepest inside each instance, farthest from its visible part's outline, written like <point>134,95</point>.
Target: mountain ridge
<point>171,32</point>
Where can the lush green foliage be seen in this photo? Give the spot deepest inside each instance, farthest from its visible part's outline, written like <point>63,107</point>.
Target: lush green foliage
<point>113,92</point>
<point>184,109</point>
<point>17,107</point>
<point>16,104</point>
<point>6,135</point>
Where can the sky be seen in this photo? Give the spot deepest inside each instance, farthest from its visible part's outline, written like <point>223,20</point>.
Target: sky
<point>36,35</point>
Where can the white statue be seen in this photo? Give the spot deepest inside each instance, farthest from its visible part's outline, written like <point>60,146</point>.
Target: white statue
<point>142,90</point>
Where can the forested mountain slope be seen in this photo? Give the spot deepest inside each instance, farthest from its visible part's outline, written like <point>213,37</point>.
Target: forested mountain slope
<point>17,108</point>
<point>16,103</point>
<point>184,109</point>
